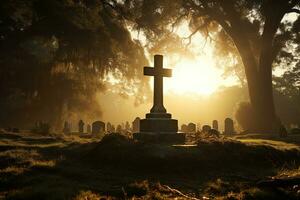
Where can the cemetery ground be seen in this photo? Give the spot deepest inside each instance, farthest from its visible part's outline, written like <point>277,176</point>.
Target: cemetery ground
<point>72,167</point>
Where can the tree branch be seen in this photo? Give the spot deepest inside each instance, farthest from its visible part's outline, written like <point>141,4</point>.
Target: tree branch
<point>198,29</point>
<point>178,19</point>
<point>294,10</point>
<point>114,6</point>
<point>179,193</point>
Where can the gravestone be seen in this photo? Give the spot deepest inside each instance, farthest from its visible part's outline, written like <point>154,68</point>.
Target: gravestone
<point>191,128</point>
<point>119,129</point>
<point>228,127</point>
<point>109,127</point>
<point>214,133</point>
<point>282,131</point>
<point>98,127</point>
<point>42,128</point>
<point>80,126</point>
<point>184,128</point>
<point>127,127</point>
<point>215,125</point>
<point>38,124</point>
<point>66,129</point>
<point>15,130</point>
<point>199,127</point>
<point>136,125</point>
<point>88,128</point>
<point>295,131</point>
<point>113,128</point>
<point>158,126</point>
<point>8,129</point>
<point>206,128</point>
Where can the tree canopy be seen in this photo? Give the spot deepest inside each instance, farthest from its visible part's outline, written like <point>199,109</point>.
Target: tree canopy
<point>55,55</point>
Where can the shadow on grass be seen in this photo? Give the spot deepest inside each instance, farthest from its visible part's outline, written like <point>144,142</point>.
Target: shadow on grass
<point>222,155</point>
<point>110,166</point>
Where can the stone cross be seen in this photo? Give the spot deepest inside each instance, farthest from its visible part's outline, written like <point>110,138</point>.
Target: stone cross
<point>158,72</point>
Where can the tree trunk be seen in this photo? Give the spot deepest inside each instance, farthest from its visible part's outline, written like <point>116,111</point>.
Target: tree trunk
<point>259,79</point>
<point>265,109</point>
<point>259,86</point>
<point>263,103</point>
<point>261,95</point>
<point>259,71</point>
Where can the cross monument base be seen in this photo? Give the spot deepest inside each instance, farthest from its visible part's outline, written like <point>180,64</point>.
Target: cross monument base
<point>160,138</point>
<point>158,125</point>
<point>159,128</point>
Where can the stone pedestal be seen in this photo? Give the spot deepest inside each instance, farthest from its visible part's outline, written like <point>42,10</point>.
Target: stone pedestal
<point>160,138</point>
<point>159,128</point>
<point>159,125</point>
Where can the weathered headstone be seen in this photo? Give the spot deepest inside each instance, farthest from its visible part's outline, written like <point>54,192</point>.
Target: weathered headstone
<point>228,127</point>
<point>127,127</point>
<point>215,125</point>
<point>206,128</point>
<point>80,126</point>
<point>66,129</point>
<point>136,125</point>
<point>184,128</point>
<point>113,129</point>
<point>98,127</point>
<point>88,128</point>
<point>119,129</point>
<point>282,131</point>
<point>191,128</point>
<point>295,131</point>
<point>159,125</point>
<point>42,128</point>
<point>198,127</point>
<point>38,124</point>
<point>214,133</point>
<point>109,127</point>
<point>15,130</point>
<point>8,129</point>
<point>45,128</point>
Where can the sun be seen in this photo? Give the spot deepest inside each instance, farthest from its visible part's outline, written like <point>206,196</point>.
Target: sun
<point>198,76</point>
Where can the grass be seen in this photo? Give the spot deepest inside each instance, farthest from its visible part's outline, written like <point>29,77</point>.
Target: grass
<point>281,145</point>
<point>70,167</point>
<point>291,139</point>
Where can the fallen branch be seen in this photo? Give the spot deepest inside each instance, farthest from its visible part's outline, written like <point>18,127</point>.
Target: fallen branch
<point>179,193</point>
<point>276,182</point>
